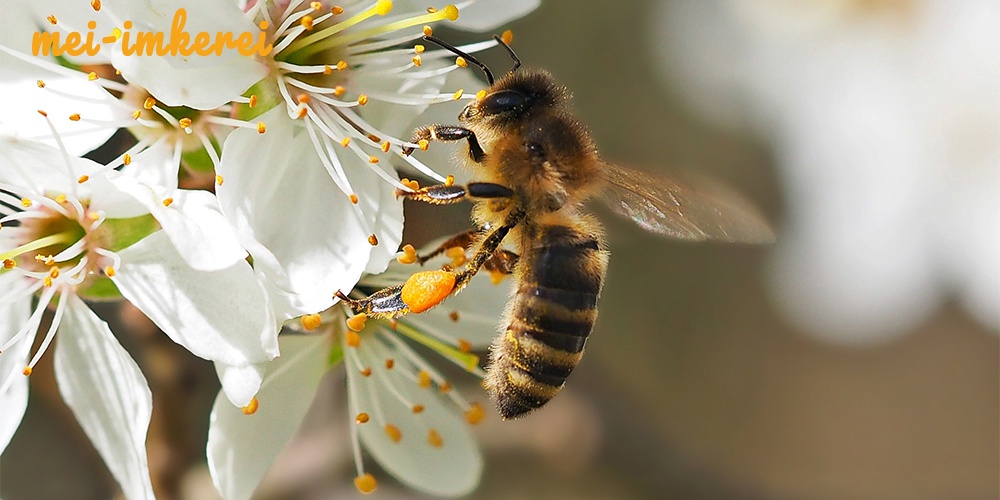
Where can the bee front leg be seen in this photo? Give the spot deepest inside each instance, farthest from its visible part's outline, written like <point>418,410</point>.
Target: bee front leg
<point>447,133</point>
<point>444,194</point>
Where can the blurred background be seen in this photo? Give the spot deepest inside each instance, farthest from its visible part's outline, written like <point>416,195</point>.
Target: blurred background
<point>856,358</point>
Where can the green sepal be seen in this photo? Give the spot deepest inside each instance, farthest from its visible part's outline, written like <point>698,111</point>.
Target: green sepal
<point>101,289</point>
<point>336,355</point>
<point>268,98</point>
<point>118,234</point>
<point>199,159</point>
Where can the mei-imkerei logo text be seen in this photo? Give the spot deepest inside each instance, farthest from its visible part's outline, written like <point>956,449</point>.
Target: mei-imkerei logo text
<point>148,43</point>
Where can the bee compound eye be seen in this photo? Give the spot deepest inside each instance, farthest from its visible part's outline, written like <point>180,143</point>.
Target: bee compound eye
<point>502,102</point>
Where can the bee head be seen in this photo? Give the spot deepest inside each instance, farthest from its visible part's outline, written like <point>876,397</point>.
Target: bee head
<point>513,97</point>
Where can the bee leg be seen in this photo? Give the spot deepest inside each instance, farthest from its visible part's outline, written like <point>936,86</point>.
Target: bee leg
<point>488,248</point>
<point>385,303</point>
<point>444,194</point>
<point>501,263</point>
<point>461,240</point>
<point>447,133</point>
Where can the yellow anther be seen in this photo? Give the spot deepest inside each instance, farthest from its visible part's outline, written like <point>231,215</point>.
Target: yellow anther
<point>372,159</point>
<point>419,49</point>
<point>311,321</point>
<point>40,83</point>
<point>434,438</point>
<point>352,338</point>
<point>507,37</point>
<point>341,65</point>
<point>303,111</point>
<point>327,69</point>
<point>444,387</point>
<point>306,22</point>
<point>424,144</point>
<point>54,272</point>
<point>218,180</point>
<point>382,7</point>
<point>496,277</point>
<point>75,117</point>
<point>423,379</point>
<point>43,113</point>
<point>457,256</point>
<point>464,345</point>
<point>373,240</point>
<point>366,371</point>
<point>449,180</point>
<point>167,201</point>
<point>27,371</point>
<point>409,255</point>
<point>149,103</point>
<point>126,159</point>
<point>82,179</point>
<point>60,199</point>
<point>357,322</point>
<point>261,127</point>
<point>91,76</point>
<point>25,202</point>
<point>461,62</point>
<point>385,146</point>
<point>253,100</point>
<point>336,10</point>
<point>9,264</point>
<point>184,122</point>
<point>414,185</point>
<point>451,13</point>
<point>431,10</point>
<point>427,289</point>
<point>458,94</point>
<point>302,98</point>
<point>109,271</point>
<point>475,414</point>
<point>416,61</point>
<point>389,363</point>
<point>345,141</point>
<point>365,483</point>
<point>316,5</point>
<point>96,5</point>
<point>454,316</point>
<point>339,90</point>
<point>362,418</point>
<point>47,281</point>
<point>52,20</point>
<point>251,407</point>
<point>136,114</point>
<point>362,99</point>
<point>428,31</point>
<point>354,198</point>
<point>393,432</point>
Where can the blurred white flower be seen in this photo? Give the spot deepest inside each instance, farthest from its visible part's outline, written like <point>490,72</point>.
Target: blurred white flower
<point>883,116</point>
<point>403,411</point>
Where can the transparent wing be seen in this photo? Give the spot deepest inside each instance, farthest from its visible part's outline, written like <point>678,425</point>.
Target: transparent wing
<point>692,209</point>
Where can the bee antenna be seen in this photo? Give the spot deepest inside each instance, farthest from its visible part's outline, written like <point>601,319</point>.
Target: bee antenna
<point>467,57</point>
<point>510,51</point>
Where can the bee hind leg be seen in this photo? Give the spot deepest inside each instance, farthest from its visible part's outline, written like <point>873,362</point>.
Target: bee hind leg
<point>385,303</point>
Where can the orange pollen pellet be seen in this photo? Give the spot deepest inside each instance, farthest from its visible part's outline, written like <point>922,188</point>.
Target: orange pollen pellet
<point>354,198</point>
<point>253,100</point>
<point>507,37</point>
<point>75,117</point>
<point>218,180</point>
<point>352,338</point>
<point>311,321</point>
<point>366,372</point>
<point>357,322</point>
<point>261,127</point>
<point>337,10</point>
<point>417,409</point>
<point>149,103</point>
<point>341,65</point>
<point>464,345</point>
<point>327,69</point>
<point>434,438</point>
<point>389,363</point>
<point>306,22</point>
<point>427,289</point>
<point>345,141</point>
<point>474,414</point>
<point>167,202</point>
<point>362,418</point>
<point>251,407</point>
<point>303,111</point>
<point>453,316</point>
<point>362,100</point>
<point>372,240</point>
<point>109,271</point>
<point>365,483</point>
<point>9,264</point>
<point>393,432</point>
<point>419,49</point>
<point>82,179</point>
<point>52,20</point>
<point>457,255</point>
<point>126,159</point>
<point>423,379</point>
<point>339,90</point>
<point>461,62</point>
<point>424,144</point>
<point>184,122</point>
<point>444,387</point>
<point>91,76</point>
<point>302,98</point>
<point>428,31</point>
<point>409,255</point>
<point>449,181</point>
<point>95,4</point>
<point>27,371</point>
<point>40,83</point>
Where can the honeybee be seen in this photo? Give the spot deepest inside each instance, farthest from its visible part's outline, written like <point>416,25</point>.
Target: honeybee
<point>536,166</point>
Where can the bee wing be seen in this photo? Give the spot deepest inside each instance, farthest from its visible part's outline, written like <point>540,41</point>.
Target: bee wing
<point>692,209</point>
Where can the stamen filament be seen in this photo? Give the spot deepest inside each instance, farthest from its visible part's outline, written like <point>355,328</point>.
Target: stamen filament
<point>468,361</point>
<point>310,43</point>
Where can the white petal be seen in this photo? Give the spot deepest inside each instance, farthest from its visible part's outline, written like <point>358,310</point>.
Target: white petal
<point>451,470</point>
<point>108,394</point>
<point>200,82</point>
<point>14,400</point>
<point>240,383</point>
<point>242,447</point>
<point>220,315</point>
<point>274,179</point>
<point>485,15</point>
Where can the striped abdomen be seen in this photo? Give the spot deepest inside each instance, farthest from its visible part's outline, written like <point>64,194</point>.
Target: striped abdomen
<point>560,274</point>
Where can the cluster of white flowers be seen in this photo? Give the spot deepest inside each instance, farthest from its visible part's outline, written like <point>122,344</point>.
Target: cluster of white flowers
<point>300,148</point>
